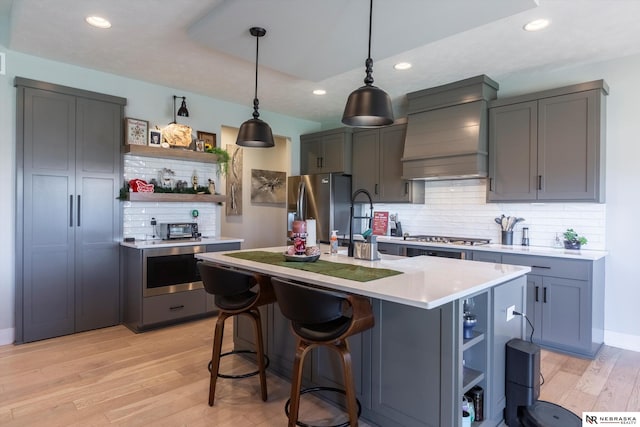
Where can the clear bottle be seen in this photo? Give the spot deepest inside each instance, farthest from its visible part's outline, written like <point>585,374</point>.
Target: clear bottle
<point>557,243</point>
<point>333,242</point>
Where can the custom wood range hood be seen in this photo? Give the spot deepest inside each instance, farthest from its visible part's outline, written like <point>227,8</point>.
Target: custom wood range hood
<point>447,130</point>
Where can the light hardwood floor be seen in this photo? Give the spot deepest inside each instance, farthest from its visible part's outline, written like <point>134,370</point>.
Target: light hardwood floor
<point>113,376</point>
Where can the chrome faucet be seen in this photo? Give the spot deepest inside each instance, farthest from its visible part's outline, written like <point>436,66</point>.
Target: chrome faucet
<point>350,250</point>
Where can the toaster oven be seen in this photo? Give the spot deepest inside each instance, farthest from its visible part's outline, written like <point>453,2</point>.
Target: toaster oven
<point>182,230</point>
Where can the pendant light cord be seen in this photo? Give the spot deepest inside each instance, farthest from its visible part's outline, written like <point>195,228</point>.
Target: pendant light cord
<point>256,114</point>
<point>368,80</point>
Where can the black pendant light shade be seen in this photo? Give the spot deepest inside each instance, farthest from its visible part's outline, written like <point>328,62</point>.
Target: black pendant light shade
<point>182,111</point>
<point>255,132</point>
<point>368,106</point>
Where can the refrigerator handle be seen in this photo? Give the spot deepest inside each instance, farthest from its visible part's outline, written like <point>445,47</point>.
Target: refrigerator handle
<point>301,197</point>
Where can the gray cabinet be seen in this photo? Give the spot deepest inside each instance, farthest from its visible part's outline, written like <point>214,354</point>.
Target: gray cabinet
<point>548,146</point>
<point>68,215</point>
<point>326,152</point>
<point>168,304</point>
<point>377,166</point>
<point>565,302</point>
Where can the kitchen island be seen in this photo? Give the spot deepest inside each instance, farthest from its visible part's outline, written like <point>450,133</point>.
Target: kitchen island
<point>414,366</point>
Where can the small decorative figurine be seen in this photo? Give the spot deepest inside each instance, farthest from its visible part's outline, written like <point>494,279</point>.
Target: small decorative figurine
<point>212,186</point>
<point>194,180</point>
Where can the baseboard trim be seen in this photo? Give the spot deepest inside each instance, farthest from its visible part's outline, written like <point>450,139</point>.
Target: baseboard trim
<point>7,336</point>
<point>620,340</point>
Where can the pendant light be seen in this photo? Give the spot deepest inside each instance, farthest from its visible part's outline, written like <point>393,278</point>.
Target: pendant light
<point>255,132</point>
<point>368,106</point>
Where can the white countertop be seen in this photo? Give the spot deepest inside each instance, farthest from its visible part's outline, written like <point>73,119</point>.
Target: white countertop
<point>585,254</point>
<point>158,243</point>
<point>427,282</point>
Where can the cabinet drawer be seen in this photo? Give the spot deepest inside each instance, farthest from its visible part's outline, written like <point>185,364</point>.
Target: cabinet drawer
<point>167,307</point>
<point>547,266</point>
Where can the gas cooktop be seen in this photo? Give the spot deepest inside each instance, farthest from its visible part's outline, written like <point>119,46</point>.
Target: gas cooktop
<point>466,241</point>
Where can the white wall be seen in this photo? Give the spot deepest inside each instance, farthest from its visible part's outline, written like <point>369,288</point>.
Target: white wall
<point>145,101</point>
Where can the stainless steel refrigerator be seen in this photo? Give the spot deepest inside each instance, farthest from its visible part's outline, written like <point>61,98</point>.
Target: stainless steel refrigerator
<point>323,197</point>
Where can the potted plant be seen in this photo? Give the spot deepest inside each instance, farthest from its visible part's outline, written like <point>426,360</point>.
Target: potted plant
<point>572,240</point>
<point>223,157</point>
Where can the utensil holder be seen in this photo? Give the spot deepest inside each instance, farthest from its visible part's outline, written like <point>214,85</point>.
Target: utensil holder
<point>364,250</point>
<point>507,237</point>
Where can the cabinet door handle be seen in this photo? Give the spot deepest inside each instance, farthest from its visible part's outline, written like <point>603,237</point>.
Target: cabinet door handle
<point>176,307</point>
<point>544,295</point>
<point>541,266</point>
<point>539,182</point>
<point>70,210</point>
<point>375,190</point>
<point>537,287</point>
<point>406,188</point>
<point>321,162</point>
<point>78,220</point>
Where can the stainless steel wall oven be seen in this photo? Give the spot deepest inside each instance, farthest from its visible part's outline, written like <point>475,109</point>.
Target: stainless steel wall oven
<point>169,270</point>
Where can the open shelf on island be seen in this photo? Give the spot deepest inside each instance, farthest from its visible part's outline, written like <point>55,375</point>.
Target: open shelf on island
<point>176,197</point>
<point>469,342</point>
<point>169,153</point>
<point>470,377</point>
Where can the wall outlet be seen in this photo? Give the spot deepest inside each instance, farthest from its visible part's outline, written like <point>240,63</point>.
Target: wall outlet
<point>3,67</point>
<point>510,311</point>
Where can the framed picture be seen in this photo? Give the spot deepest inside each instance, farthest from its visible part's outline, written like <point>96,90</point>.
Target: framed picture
<point>208,138</point>
<point>199,145</point>
<point>155,138</point>
<point>136,131</point>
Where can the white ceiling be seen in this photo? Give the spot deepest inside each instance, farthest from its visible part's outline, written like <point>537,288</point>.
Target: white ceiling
<point>204,46</point>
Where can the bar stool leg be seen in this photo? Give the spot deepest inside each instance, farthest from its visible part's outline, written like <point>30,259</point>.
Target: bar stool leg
<point>296,382</point>
<point>350,390</point>
<point>215,355</point>
<point>257,324</point>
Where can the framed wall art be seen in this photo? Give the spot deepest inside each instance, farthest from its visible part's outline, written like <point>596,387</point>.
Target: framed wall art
<point>136,131</point>
<point>234,181</point>
<point>268,187</point>
<point>208,138</point>
<point>155,138</point>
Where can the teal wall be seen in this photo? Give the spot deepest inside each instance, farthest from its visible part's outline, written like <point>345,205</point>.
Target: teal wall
<point>145,101</point>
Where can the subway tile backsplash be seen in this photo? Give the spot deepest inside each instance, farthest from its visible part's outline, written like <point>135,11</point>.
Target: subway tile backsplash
<point>459,208</point>
<point>137,215</point>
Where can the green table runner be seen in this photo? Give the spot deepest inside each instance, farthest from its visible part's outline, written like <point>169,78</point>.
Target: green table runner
<point>335,269</point>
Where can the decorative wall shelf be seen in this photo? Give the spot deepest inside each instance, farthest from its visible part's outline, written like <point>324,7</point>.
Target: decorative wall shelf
<point>176,197</point>
<point>169,153</point>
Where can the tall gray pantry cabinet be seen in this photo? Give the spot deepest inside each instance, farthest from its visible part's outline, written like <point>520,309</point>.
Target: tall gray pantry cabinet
<point>68,215</point>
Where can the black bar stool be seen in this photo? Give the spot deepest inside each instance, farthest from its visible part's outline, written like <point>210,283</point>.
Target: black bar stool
<point>236,292</point>
<point>322,318</point>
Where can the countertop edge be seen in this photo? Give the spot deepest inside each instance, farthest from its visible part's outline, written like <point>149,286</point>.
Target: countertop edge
<point>146,244</point>
<point>583,254</point>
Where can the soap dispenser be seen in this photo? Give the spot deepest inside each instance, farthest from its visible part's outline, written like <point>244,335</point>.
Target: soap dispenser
<point>333,241</point>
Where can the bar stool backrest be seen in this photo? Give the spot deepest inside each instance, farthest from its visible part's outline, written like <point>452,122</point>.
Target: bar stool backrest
<point>307,305</point>
<point>224,281</point>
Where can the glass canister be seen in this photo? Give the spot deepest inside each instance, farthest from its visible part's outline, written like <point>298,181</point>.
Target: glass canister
<point>299,236</point>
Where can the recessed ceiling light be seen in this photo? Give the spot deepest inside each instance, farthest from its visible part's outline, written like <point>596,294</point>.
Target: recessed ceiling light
<point>402,66</point>
<point>537,25</point>
<point>319,92</point>
<point>98,22</point>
